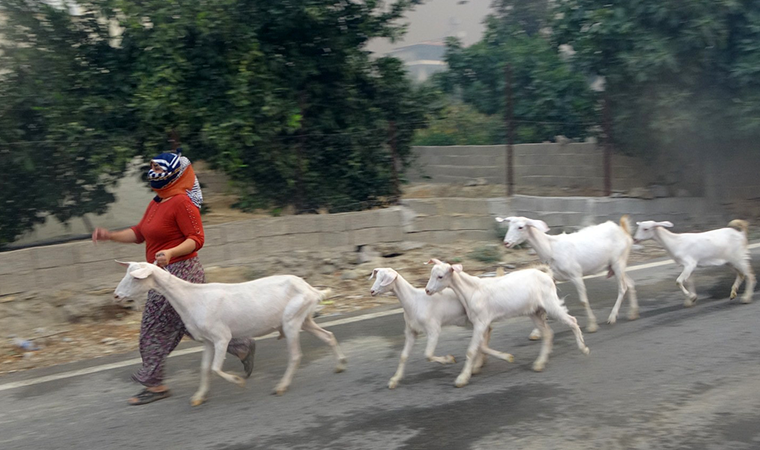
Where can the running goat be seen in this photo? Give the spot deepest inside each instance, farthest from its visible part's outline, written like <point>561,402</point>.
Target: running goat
<point>423,314</point>
<point>711,248</point>
<point>571,256</point>
<point>528,292</point>
<point>214,313</point>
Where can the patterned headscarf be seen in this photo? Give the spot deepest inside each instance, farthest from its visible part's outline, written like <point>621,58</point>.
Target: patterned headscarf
<point>174,166</point>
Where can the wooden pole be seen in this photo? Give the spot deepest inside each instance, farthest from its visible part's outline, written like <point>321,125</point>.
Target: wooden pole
<point>300,148</point>
<point>509,113</point>
<point>394,161</point>
<point>607,124</point>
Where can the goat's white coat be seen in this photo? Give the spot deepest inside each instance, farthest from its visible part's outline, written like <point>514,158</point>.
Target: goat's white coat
<point>528,292</point>
<point>571,256</point>
<point>709,248</point>
<point>214,313</point>
<point>423,314</point>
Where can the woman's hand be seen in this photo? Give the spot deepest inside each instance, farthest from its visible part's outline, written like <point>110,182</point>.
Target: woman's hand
<point>101,234</point>
<point>163,257</point>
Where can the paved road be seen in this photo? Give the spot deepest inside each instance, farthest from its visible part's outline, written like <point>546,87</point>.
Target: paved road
<point>677,378</point>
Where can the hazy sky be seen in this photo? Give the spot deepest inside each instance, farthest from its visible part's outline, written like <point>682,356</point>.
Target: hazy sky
<point>433,20</point>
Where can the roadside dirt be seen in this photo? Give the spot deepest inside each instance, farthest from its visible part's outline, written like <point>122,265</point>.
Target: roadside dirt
<point>110,329</point>
<point>116,330</point>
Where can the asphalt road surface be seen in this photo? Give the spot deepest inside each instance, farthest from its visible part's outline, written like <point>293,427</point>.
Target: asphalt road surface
<point>677,378</point>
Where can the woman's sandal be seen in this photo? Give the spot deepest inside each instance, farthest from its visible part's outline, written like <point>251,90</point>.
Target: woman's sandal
<point>248,360</point>
<point>146,396</point>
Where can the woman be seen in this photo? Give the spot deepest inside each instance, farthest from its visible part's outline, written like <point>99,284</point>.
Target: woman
<point>173,233</point>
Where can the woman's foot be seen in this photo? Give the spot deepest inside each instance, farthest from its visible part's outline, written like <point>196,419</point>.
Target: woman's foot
<point>149,395</point>
<point>247,360</point>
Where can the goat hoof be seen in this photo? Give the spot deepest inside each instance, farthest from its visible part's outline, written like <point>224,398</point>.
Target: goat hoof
<point>392,384</point>
<point>733,295</point>
<point>461,382</point>
<point>450,359</point>
<point>611,320</point>
<point>633,315</point>
<point>538,367</point>
<point>197,401</point>
<point>535,335</point>
<point>592,327</point>
<point>689,302</point>
<point>585,350</point>
<point>509,358</point>
<point>340,368</point>
<point>746,301</point>
<point>280,390</point>
<point>240,381</point>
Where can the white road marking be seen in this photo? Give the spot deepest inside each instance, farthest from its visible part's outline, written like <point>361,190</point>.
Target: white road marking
<point>188,351</point>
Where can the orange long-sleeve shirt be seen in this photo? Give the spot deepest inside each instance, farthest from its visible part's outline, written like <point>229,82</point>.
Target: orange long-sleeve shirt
<point>168,224</point>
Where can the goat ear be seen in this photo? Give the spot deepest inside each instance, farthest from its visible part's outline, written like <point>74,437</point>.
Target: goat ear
<point>456,268</point>
<point>638,223</point>
<point>505,219</point>
<point>665,224</point>
<point>374,272</point>
<point>141,273</point>
<point>434,261</point>
<point>389,278</point>
<point>125,264</point>
<point>540,225</point>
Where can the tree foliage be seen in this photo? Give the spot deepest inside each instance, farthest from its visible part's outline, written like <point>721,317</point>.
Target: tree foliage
<point>64,132</point>
<point>675,72</point>
<point>549,98</point>
<point>461,124</point>
<point>283,96</point>
<point>529,16</point>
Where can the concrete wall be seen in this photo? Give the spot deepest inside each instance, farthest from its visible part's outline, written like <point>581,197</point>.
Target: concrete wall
<point>83,265</point>
<point>540,165</point>
<point>473,218</point>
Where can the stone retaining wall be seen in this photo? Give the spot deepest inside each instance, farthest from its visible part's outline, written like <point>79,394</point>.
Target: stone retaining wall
<point>570,165</point>
<point>82,264</point>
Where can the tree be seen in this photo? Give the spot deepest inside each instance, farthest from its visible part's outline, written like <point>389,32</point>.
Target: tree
<point>549,98</point>
<point>64,133</point>
<point>461,124</point>
<point>677,74</point>
<point>529,16</point>
<point>283,96</point>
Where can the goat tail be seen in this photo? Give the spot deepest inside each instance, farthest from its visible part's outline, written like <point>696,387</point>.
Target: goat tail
<point>625,224</point>
<point>740,225</point>
<point>545,269</point>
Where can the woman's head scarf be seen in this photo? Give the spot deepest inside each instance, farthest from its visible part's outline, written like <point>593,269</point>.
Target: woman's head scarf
<point>177,177</point>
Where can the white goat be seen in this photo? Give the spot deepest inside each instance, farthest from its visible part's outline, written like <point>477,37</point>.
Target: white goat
<point>422,314</point>
<point>528,292</point>
<point>711,248</point>
<point>214,313</point>
<point>571,256</point>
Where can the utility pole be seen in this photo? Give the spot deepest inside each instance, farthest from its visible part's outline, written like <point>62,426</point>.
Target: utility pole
<point>394,161</point>
<point>607,126</point>
<point>510,175</point>
<point>300,148</point>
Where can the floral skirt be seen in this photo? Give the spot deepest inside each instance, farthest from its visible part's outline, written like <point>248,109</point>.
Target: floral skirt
<point>162,329</point>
